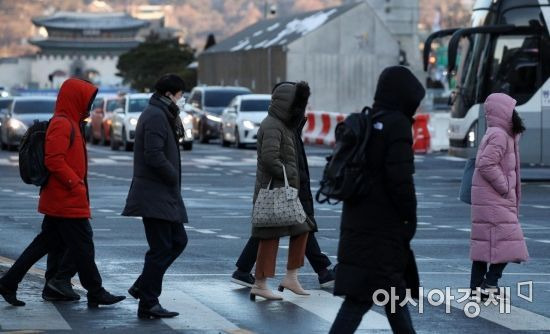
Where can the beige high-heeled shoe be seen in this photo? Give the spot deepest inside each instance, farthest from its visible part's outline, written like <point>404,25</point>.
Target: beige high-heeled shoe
<point>291,283</point>
<point>264,293</point>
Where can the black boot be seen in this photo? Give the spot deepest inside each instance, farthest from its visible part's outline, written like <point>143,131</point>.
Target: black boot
<point>50,295</point>
<point>134,291</point>
<point>62,287</point>
<point>102,297</point>
<point>155,312</point>
<point>10,296</point>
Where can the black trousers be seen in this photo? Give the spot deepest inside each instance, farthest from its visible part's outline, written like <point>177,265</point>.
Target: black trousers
<point>318,260</point>
<point>77,235</point>
<point>480,273</point>
<point>166,240</point>
<point>50,242</point>
<point>351,313</point>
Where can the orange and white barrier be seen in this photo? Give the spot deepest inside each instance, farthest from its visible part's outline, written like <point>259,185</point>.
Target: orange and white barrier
<point>429,130</point>
<point>320,126</point>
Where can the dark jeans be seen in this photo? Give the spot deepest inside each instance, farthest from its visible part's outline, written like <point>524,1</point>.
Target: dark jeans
<point>48,241</point>
<point>480,274</point>
<point>318,260</point>
<point>166,240</point>
<point>351,313</point>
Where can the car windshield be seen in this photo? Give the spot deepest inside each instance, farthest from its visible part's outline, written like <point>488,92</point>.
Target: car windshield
<point>255,105</point>
<point>115,104</point>
<point>221,98</point>
<point>34,107</point>
<point>138,105</point>
<point>5,104</point>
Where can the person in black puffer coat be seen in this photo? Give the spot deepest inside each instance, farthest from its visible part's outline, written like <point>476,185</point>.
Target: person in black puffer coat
<point>376,229</point>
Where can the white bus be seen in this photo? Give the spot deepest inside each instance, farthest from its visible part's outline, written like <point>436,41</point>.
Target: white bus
<point>507,50</point>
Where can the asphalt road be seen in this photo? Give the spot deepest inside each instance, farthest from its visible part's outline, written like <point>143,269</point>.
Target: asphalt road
<point>217,190</point>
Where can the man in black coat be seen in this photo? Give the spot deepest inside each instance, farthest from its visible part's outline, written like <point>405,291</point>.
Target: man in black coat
<point>155,193</point>
<point>374,250</point>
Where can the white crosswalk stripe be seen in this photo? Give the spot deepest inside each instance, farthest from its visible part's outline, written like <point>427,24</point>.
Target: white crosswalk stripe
<point>34,316</point>
<point>517,319</point>
<point>326,306</point>
<point>197,315</point>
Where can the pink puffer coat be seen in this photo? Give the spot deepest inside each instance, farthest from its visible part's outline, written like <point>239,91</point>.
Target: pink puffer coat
<point>496,235</point>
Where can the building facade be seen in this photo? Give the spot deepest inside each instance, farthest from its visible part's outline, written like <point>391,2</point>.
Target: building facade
<point>85,45</point>
<point>340,51</point>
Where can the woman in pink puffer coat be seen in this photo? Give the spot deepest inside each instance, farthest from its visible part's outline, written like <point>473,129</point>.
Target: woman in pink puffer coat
<point>496,237</point>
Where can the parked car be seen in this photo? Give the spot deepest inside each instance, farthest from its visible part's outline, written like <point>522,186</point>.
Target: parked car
<point>123,125</point>
<point>241,119</point>
<point>102,117</point>
<point>20,115</point>
<point>187,121</point>
<point>5,104</point>
<point>206,104</point>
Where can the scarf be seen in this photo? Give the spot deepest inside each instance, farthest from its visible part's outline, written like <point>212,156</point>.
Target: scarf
<point>173,113</point>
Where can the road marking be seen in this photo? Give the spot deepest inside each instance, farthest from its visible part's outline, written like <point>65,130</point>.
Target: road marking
<point>105,210</point>
<point>7,190</point>
<point>449,158</point>
<point>517,319</point>
<point>226,236</point>
<point>464,230</point>
<point>34,316</point>
<point>195,315</point>
<point>326,229</point>
<point>426,228</point>
<point>121,157</point>
<point>101,229</point>
<point>204,231</point>
<point>423,223</point>
<point>540,206</point>
<point>544,241</point>
<point>444,226</point>
<point>324,305</point>
<point>440,196</point>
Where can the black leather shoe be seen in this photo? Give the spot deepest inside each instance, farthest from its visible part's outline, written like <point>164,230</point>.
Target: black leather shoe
<point>155,312</point>
<point>103,298</point>
<point>326,279</point>
<point>64,288</point>
<point>243,278</point>
<point>134,292</point>
<point>10,296</point>
<point>51,296</point>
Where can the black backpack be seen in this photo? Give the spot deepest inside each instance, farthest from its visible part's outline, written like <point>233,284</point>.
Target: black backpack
<point>345,174</point>
<point>31,153</point>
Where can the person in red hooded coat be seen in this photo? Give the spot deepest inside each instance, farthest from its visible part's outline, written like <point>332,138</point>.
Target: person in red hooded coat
<point>64,200</point>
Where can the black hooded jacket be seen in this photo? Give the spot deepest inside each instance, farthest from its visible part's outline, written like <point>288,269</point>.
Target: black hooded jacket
<point>376,229</point>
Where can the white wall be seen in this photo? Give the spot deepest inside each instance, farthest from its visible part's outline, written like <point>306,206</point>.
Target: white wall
<point>44,65</point>
<point>401,17</point>
<point>343,59</point>
<point>15,72</point>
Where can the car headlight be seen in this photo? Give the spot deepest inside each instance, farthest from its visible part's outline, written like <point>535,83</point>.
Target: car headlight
<point>248,125</point>
<point>133,121</point>
<point>472,135</point>
<point>16,125</point>
<point>214,118</point>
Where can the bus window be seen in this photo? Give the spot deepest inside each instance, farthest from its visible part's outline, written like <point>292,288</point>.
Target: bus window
<point>516,68</point>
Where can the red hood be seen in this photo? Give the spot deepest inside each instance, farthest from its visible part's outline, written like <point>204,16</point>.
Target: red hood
<point>75,99</point>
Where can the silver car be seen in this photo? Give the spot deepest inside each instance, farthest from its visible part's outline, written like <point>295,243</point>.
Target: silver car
<point>20,115</point>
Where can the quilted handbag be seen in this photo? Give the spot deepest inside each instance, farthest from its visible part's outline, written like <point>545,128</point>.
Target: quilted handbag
<point>278,207</point>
